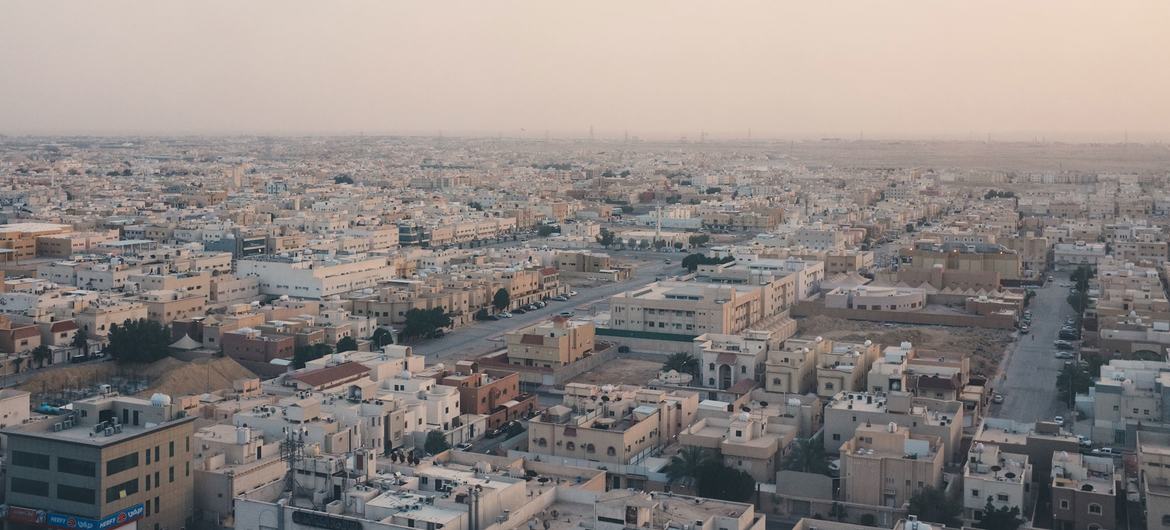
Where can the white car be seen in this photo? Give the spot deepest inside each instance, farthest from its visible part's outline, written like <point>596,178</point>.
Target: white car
<point>1059,419</point>
<point>572,293</point>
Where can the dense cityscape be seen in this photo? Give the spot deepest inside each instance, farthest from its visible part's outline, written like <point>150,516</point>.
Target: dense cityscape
<point>607,265</point>
<point>395,332</point>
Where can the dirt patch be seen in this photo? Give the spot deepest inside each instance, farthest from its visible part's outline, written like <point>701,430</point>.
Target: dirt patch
<point>620,372</point>
<point>985,346</point>
<point>168,375</point>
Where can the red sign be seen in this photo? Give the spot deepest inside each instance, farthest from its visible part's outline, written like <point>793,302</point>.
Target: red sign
<point>18,514</point>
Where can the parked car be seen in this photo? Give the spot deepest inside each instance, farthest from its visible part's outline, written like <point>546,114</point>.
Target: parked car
<point>560,298</point>
<point>1064,355</point>
<point>1024,329</point>
<point>667,261</point>
<point>1059,419</point>
<point>519,311</point>
<point>506,314</point>
<point>1084,441</point>
<point>1063,345</point>
<point>492,317</point>
<point>566,314</point>
<point>997,398</point>
<point>572,293</point>
<point>465,446</point>
<point>1107,451</point>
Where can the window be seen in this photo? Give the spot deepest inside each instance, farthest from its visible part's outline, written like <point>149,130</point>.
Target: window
<point>171,474</point>
<point>1063,504</point>
<point>30,487</point>
<point>1002,497</point>
<point>743,369</point>
<point>187,471</point>
<point>188,444</point>
<point>76,467</point>
<point>837,437</point>
<point>738,433</point>
<point>974,493</point>
<point>66,492</point>
<point>148,457</point>
<point>1095,508</point>
<point>156,510</point>
<point>148,482</point>
<point>122,463</point>
<point>27,459</point>
<point>125,489</point>
<point>611,451</point>
<point>571,446</point>
<point>171,449</point>
<point>156,458</point>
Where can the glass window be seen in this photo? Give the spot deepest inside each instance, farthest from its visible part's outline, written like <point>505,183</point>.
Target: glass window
<point>125,489</point>
<point>171,449</point>
<point>122,463</point>
<point>26,486</point>
<point>66,492</point>
<point>27,459</point>
<point>76,467</point>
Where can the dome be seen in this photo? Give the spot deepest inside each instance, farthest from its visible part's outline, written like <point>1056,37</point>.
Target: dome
<point>160,400</point>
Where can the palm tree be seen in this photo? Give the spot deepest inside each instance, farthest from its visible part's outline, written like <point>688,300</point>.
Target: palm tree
<point>685,465</point>
<point>807,455</point>
<point>40,354</point>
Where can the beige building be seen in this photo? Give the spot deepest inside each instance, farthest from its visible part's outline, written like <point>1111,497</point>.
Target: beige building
<point>850,410</point>
<point>745,441</point>
<point>592,425</point>
<point>168,306</point>
<point>792,368</point>
<point>552,344</point>
<point>844,367</point>
<point>119,458</point>
<point>1153,453</point>
<point>687,308</point>
<point>885,465</point>
<point>230,462</point>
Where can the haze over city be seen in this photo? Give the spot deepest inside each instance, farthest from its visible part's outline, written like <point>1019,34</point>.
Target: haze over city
<point>1060,71</point>
<point>520,265</point>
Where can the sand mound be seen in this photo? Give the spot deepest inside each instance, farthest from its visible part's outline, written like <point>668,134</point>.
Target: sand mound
<point>171,376</point>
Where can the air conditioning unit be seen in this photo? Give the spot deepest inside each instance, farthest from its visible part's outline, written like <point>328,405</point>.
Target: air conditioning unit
<point>57,427</point>
<point>109,431</point>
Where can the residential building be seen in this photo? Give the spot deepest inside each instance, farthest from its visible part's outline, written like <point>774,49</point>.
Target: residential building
<point>886,465</point>
<point>1084,492</point>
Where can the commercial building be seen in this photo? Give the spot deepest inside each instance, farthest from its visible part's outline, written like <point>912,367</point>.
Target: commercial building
<point>112,461</point>
<point>314,279</point>
<point>688,308</point>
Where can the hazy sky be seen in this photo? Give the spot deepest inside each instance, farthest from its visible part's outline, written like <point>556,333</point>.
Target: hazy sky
<point>1074,70</point>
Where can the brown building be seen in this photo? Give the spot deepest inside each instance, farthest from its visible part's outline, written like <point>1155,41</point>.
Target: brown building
<point>495,393</point>
<point>1084,492</point>
<point>18,338</point>
<point>113,461</point>
<point>250,345</point>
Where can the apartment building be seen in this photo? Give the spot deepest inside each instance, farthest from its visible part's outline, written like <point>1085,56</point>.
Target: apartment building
<point>791,369</point>
<point>230,462</point>
<point>1084,492</point>
<point>997,478</point>
<point>843,366</point>
<point>114,460</point>
<point>167,306</point>
<point>1153,460</point>
<point>744,441</point>
<point>1075,254</point>
<point>492,393</point>
<point>20,239</point>
<point>312,278</point>
<point>632,425</point>
<point>551,344</point>
<point>687,308</point>
<point>885,465</point>
<point>971,257</point>
<point>849,410</point>
<point>726,360</point>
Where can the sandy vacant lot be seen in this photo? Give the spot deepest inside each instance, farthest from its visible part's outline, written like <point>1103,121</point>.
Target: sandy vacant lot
<point>620,372</point>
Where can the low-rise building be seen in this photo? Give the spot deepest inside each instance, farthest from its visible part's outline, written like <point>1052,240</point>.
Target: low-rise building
<point>552,344</point>
<point>1084,492</point>
<point>885,465</point>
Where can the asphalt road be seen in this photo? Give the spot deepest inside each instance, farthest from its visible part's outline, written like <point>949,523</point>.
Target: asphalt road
<point>484,337</point>
<point>1029,381</point>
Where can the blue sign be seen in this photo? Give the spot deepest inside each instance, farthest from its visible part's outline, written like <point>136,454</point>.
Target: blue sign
<point>114,520</point>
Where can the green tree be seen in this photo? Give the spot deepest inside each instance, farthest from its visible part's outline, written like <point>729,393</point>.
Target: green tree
<point>343,179</point>
<point>436,443</point>
<point>382,337</point>
<point>40,354</point>
<point>425,322</point>
<point>347,344</point>
<point>81,341</point>
<point>605,238</point>
<point>1073,379</point>
<point>691,262</point>
<point>683,363</point>
<point>659,243</point>
<point>501,300</point>
<point>309,352</point>
<point>684,466</point>
<point>717,481</point>
<point>1079,301</point>
<point>16,362</point>
<point>1004,518</point>
<point>698,240</point>
<point>714,190</point>
<point>806,455</point>
<point>548,230</point>
<point>932,505</point>
<point>138,341</point>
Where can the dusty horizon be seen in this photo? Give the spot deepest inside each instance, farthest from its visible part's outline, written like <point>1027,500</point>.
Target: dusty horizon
<point>915,70</point>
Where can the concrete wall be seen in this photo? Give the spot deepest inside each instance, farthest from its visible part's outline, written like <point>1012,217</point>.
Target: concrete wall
<point>814,308</point>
